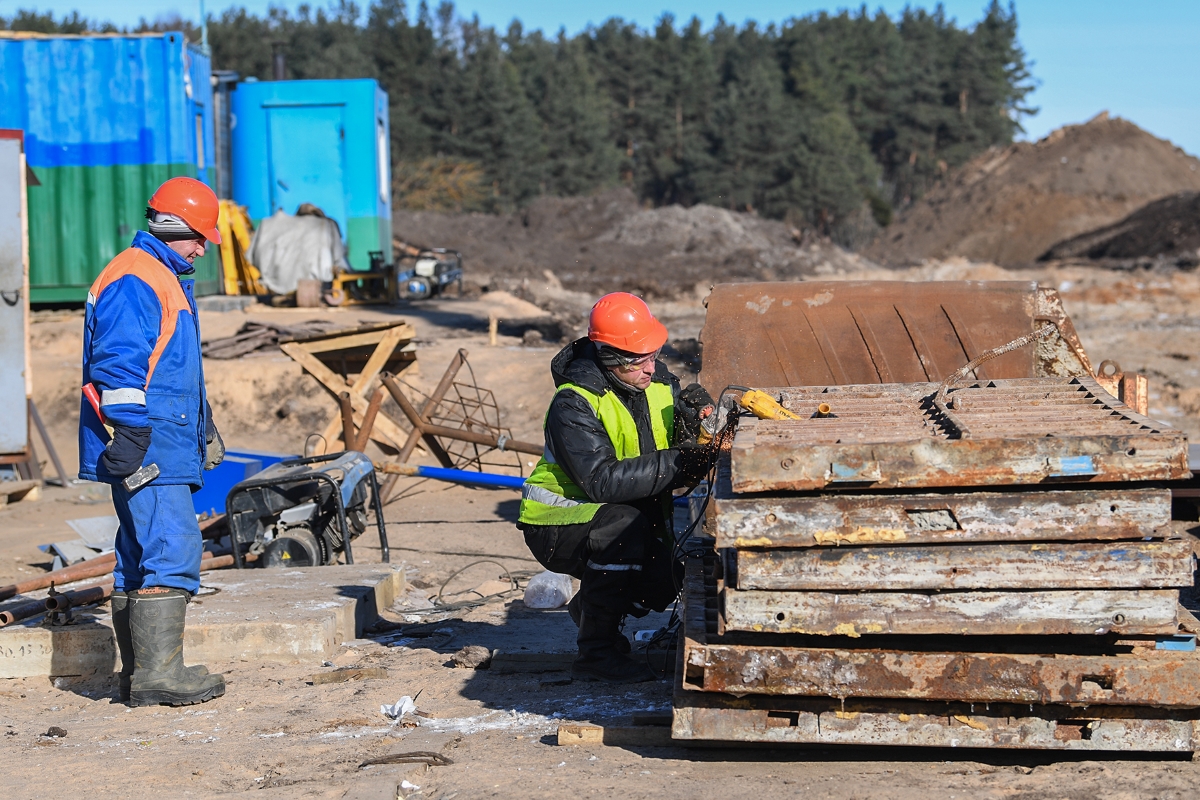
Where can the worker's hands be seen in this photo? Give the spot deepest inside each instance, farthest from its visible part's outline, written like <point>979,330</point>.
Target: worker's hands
<point>214,451</point>
<point>695,403</point>
<point>694,462</point>
<point>125,452</point>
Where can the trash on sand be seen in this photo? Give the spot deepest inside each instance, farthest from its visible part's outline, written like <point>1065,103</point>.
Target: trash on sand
<point>472,656</point>
<point>425,757</point>
<point>399,709</point>
<point>644,636</point>
<point>548,590</point>
<point>347,674</point>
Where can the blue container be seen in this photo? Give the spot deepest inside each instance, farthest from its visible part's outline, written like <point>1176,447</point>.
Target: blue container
<point>237,467</point>
<point>320,142</point>
<point>106,119</point>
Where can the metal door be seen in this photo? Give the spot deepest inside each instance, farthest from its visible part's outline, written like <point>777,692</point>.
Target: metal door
<point>307,159</point>
<point>14,432</point>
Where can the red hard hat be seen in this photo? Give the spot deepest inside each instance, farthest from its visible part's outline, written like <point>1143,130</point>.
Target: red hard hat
<point>624,321</point>
<point>192,202</point>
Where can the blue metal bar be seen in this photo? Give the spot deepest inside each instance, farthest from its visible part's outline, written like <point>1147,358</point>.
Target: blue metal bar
<point>472,478</point>
<point>485,479</point>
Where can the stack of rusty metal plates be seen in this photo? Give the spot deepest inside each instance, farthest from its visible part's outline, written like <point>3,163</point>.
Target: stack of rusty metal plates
<point>987,565</point>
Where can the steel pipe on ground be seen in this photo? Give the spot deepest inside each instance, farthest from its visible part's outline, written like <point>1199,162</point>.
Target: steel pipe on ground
<point>95,594</point>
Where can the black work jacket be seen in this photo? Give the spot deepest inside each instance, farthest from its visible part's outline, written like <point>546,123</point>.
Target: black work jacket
<point>581,446</point>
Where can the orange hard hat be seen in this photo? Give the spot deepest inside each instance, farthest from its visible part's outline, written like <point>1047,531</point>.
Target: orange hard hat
<point>192,202</point>
<point>624,321</point>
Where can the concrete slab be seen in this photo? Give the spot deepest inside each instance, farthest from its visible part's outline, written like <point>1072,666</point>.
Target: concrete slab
<point>276,615</point>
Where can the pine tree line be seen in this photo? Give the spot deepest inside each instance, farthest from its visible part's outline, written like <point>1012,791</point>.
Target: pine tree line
<point>813,119</point>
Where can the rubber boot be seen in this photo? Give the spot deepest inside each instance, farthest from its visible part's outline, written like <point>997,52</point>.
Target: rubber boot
<point>159,676</point>
<point>119,604</point>
<point>598,658</point>
<point>575,609</point>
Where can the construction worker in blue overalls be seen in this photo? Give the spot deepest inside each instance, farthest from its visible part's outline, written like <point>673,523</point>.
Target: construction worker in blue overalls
<point>141,353</point>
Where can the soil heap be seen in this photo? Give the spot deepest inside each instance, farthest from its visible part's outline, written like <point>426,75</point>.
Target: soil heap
<point>1167,229</point>
<point>608,241</point>
<point>1010,205</point>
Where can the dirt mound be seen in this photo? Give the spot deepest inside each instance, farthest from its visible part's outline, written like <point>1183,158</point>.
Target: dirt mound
<point>1167,229</point>
<point>1009,205</point>
<point>606,241</point>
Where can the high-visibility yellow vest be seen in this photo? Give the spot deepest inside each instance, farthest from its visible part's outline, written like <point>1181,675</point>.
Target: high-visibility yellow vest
<point>550,497</point>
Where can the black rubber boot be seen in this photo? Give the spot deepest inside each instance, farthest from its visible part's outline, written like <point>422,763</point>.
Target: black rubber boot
<point>575,609</point>
<point>159,676</point>
<point>119,603</point>
<point>598,658</point>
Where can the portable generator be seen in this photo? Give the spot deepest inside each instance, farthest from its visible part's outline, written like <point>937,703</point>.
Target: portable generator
<point>305,512</point>
<point>433,270</point>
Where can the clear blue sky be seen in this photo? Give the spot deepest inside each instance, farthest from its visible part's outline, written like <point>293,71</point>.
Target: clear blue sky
<point>1137,60</point>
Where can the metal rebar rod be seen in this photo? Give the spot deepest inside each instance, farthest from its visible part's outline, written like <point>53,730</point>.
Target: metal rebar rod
<point>349,437</point>
<point>41,427</point>
<point>414,419</point>
<point>433,400</point>
<point>368,422</point>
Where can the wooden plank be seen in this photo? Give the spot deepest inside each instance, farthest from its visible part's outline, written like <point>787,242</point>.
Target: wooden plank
<point>1126,565</point>
<point>375,329</point>
<point>632,736</point>
<point>507,662</point>
<point>749,521</point>
<point>1165,679</point>
<point>1084,612</point>
<point>377,361</point>
<point>348,674</point>
<point>700,718</point>
<point>392,434</point>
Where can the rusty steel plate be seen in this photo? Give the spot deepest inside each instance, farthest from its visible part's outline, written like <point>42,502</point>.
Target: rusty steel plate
<point>780,720</point>
<point>711,663</point>
<point>822,333</point>
<point>1082,612</point>
<point>1157,679</point>
<point>987,433</point>
<point>815,520</point>
<point>1058,565</point>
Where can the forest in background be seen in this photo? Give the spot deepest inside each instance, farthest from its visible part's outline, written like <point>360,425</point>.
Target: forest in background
<point>819,120</point>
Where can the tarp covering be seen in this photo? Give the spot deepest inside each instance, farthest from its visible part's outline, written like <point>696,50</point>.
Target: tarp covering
<point>289,249</point>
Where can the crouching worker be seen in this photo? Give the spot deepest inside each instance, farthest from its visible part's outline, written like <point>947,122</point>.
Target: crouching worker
<point>141,353</point>
<point>620,435</point>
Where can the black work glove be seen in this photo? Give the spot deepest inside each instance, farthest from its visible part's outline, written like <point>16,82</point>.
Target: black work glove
<point>124,454</point>
<point>214,451</point>
<point>694,461</point>
<point>692,402</point>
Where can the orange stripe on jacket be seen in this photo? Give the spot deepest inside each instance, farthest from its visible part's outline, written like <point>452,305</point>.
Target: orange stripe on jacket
<point>161,280</point>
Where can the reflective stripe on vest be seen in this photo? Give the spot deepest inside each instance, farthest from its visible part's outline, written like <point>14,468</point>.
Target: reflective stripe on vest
<point>550,497</point>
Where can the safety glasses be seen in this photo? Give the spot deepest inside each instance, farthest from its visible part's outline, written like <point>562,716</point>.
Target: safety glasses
<point>636,362</point>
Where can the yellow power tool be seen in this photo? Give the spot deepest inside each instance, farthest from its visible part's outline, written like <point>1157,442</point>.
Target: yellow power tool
<point>756,401</point>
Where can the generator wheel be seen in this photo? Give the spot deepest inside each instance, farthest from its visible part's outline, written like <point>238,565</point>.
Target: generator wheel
<point>335,296</point>
<point>296,546</point>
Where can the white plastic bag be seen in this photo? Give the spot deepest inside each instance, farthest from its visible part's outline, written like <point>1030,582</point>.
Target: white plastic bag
<point>399,709</point>
<point>548,590</point>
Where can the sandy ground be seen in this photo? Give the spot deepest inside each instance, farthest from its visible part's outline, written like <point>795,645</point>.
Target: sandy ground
<point>276,734</point>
